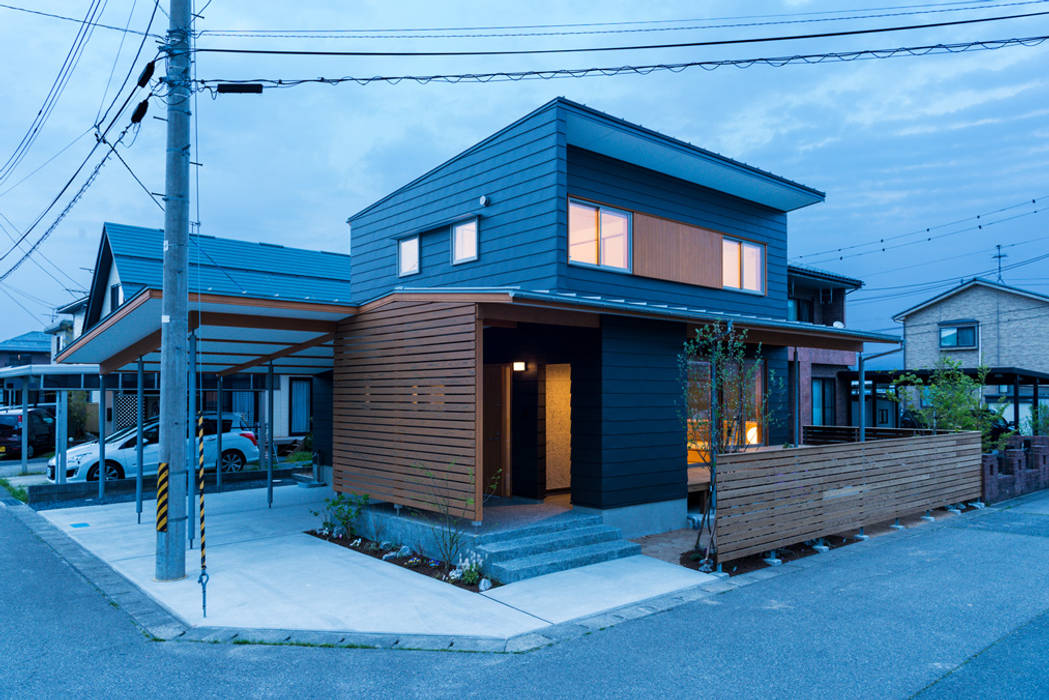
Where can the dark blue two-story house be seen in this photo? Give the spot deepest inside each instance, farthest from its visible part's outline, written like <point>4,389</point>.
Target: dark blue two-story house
<point>520,310</point>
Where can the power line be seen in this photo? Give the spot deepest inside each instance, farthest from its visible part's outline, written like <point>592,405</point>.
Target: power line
<point>36,262</point>
<point>54,93</point>
<point>134,61</point>
<point>625,22</point>
<point>635,47</point>
<point>889,270</point>
<point>20,304</point>
<point>557,30</point>
<point>74,19</point>
<point>918,232</point>
<point>40,167</point>
<point>609,71</point>
<point>116,60</point>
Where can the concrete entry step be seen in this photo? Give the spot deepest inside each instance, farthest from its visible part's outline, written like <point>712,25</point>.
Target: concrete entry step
<point>523,546</point>
<point>520,568</point>
<point>560,522</point>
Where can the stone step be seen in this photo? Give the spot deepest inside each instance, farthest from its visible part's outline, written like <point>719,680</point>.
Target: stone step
<point>546,542</point>
<point>559,524</point>
<point>522,568</point>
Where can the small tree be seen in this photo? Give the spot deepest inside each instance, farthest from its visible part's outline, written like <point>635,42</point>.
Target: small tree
<point>949,400</point>
<point>724,410</point>
<point>442,513</point>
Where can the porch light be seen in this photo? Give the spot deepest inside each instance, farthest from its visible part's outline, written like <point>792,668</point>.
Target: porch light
<point>520,366</point>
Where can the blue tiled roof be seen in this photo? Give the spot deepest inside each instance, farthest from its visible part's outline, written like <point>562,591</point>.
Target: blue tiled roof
<point>232,267</point>
<point>33,341</point>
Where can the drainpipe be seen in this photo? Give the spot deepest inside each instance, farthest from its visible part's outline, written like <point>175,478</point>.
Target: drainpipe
<point>862,380</point>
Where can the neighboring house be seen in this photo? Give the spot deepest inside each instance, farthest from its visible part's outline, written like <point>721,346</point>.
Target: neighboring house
<point>988,324</point>
<point>516,317</point>
<point>68,326</point>
<point>818,296</point>
<point>32,348</point>
<point>130,261</point>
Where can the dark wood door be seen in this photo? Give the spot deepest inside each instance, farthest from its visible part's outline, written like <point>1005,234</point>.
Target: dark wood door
<point>496,414</point>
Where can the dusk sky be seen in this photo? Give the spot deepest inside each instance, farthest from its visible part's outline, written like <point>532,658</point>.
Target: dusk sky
<point>898,145</point>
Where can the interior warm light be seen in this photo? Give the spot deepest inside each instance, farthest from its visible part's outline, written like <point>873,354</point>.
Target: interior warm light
<point>752,434</point>
<point>519,366</point>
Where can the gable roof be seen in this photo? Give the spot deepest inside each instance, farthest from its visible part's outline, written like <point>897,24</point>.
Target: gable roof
<point>974,282</point>
<point>219,266</point>
<point>597,131</point>
<point>33,341</point>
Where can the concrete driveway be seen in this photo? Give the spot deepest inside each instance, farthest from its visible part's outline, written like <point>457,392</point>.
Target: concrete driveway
<point>267,573</point>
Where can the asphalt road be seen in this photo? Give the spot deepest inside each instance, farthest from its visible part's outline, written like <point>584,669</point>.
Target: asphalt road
<point>955,609</point>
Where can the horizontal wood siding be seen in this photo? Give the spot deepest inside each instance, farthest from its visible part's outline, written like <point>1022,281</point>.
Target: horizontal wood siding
<point>670,250</point>
<point>520,170</point>
<point>405,406</point>
<point>776,498</point>
<point>599,178</point>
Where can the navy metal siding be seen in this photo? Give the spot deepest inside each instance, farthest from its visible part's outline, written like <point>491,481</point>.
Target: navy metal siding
<point>596,177</point>
<point>519,170</point>
<point>641,449</point>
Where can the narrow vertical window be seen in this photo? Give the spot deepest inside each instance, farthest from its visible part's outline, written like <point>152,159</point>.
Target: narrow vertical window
<point>615,239</point>
<point>582,233</point>
<point>730,263</point>
<point>464,242</point>
<point>408,256</point>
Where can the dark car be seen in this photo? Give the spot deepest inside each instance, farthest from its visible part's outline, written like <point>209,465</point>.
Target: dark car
<point>41,432</point>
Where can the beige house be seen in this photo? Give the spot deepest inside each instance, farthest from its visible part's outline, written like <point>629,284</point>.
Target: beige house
<point>984,323</point>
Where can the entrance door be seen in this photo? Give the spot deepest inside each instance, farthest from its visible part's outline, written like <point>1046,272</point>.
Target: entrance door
<point>496,398</point>
<point>558,427</point>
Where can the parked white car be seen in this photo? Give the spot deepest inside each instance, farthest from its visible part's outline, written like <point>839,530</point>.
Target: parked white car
<point>239,447</point>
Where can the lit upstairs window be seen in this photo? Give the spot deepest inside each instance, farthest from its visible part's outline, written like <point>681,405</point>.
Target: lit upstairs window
<point>598,236</point>
<point>464,242</point>
<point>408,256</point>
<point>743,265</point>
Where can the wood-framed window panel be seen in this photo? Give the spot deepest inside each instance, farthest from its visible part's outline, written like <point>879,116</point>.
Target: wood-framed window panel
<point>743,265</point>
<point>600,236</point>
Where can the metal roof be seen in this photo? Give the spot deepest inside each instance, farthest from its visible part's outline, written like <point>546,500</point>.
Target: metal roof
<point>821,274</point>
<point>228,266</point>
<point>33,341</point>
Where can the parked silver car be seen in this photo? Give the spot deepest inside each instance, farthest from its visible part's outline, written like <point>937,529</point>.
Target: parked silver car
<point>239,447</point>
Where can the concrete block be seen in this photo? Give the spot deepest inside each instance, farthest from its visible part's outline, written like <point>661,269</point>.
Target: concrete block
<point>432,642</point>
<point>489,644</point>
<point>527,642</point>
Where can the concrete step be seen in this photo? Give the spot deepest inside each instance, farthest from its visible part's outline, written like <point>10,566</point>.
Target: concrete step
<point>569,522</point>
<point>522,568</point>
<point>518,547</point>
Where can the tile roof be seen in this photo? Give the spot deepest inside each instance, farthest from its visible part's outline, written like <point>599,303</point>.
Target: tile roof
<point>33,341</point>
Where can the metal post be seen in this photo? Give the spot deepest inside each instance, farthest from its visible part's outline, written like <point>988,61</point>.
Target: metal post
<point>269,435</point>
<point>218,433</point>
<point>140,415</point>
<point>797,398</point>
<point>25,425</point>
<point>192,436</point>
<point>1016,403</point>
<point>61,436</point>
<point>863,398</point>
<point>1036,407</point>
<point>101,437</point>
<point>170,551</point>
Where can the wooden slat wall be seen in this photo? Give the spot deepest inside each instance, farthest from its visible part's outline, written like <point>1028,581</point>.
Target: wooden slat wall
<point>775,498</point>
<point>405,405</point>
<point>834,434</point>
<point>670,250</point>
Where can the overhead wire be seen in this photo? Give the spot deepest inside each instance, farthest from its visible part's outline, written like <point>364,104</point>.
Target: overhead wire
<point>52,15</point>
<point>554,30</point>
<point>634,47</point>
<point>36,262</point>
<point>116,60</point>
<point>211,84</point>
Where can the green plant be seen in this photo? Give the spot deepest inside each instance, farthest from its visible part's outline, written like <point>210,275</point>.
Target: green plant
<point>340,514</point>
<point>949,399</point>
<point>1038,423</point>
<point>307,443</point>
<point>18,492</point>
<point>470,568</point>
<point>299,456</point>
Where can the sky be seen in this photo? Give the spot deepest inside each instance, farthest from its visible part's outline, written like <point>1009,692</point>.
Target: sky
<point>957,144</point>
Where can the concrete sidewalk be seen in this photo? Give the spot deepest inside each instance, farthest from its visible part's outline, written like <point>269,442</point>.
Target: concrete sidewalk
<point>267,574</point>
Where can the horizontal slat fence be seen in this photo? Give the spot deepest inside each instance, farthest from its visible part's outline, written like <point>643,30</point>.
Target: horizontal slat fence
<point>834,434</point>
<point>774,498</point>
<point>405,406</point>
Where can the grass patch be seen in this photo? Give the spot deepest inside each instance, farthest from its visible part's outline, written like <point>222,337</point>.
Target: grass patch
<point>16,491</point>
<point>299,456</point>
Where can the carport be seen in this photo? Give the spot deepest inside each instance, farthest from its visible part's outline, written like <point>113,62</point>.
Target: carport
<point>237,343</point>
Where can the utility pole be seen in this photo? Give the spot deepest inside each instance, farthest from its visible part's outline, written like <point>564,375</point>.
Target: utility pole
<point>171,543</point>
<point>998,256</point>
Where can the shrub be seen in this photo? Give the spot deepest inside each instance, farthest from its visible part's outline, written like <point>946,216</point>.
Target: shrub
<point>340,514</point>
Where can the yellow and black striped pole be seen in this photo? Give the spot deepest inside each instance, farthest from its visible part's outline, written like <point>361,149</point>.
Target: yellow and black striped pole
<point>162,497</point>
<point>203,578</point>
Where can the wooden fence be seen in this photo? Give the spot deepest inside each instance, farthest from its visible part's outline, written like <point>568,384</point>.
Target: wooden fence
<point>774,498</point>
<point>405,406</point>
<point>834,434</point>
